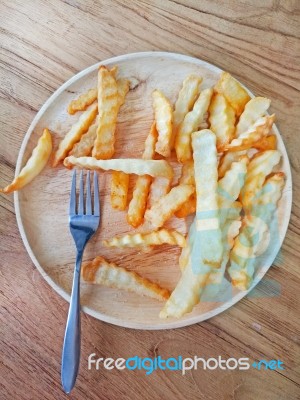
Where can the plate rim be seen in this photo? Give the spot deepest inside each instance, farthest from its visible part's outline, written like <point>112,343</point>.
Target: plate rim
<point>96,314</point>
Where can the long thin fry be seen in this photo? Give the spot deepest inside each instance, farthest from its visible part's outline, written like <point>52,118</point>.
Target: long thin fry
<point>128,165</point>
<point>255,227</point>
<point>206,251</point>
<point>108,105</point>
<point>138,203</point>
<point>233,91</point>
<point>75,133</point>
<point>164,120</point>
<point>154,238</point>
<point>34,165</point>
<point>166,206</point>
<point>119,190</point>
<point>190,124</point>
<point>100,272</point>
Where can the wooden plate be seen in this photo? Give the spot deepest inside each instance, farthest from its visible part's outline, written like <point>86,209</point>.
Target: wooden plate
<point>42,206</point>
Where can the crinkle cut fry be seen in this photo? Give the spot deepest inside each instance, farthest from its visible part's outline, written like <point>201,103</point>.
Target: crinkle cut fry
<point>154,238</point>
<point>99,271</point>
<point>207,248</point>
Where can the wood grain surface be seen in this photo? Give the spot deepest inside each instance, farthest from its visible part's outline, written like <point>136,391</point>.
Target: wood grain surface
<point>45,43</point>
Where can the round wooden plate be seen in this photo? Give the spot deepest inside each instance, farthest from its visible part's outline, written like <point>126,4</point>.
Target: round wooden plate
<point>42,206</point>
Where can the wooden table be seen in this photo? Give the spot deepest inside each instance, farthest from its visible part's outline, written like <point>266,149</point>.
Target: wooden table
<point>43,43</point>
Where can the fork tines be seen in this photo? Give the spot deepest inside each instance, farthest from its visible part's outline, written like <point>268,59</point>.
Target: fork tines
<point>87,210</point>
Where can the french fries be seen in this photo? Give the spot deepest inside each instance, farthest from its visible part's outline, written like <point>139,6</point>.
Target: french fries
<point>233,91</point>
<point>254,110</point>
<point>227,180</point>
<point>163,114</point>
<point>154,238</point>
<point>222,120</point>
<point>158,189</point>
<point>259,168</point>
<point>187,178</point>
<point>138,203</point>
<point>260,129</point>
<point>83,101</point>
<point>206,250</point>
<point>191,123</point>
<point>100,272</point>
<point>108,106</point>
<point>119,190</point>
<point>84,146</point>
<point>128,165</point>
<point>34,165</point>
<point>229,188</point>
<point>251,239</point>
<point>75,133</point>
<point>186,99</point>
<point>166,206</point>
<point>87,98</point>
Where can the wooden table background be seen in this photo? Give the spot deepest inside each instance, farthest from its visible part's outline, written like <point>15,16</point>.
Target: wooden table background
<point>43,43</point>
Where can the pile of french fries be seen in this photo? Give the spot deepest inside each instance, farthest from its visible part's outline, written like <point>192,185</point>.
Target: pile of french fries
<point>224,141</point>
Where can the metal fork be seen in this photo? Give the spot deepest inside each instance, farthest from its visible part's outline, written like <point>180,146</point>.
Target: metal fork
<point>82,226</point>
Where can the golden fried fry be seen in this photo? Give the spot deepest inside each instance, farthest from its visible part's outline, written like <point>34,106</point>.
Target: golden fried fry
<point>34,165</point>
<point>163,114</point>
<point>166,206</point>
<point>128,165</point>
<point>225,162</point>
<point>254,110</point>
<point>75,133</point>
<point>206,248</point>
<point>108,105</point>
<point>222,120</point>
<point>191,123</point>
<point>83,101</point>
<point>233,91</point>
<point>259,168</point>
<point>100,272</point>
<point>138,203</point>
<point>187,174</point>
<point>255,225</point>
<point>123,88</point>
<point>186,99</point>
<point>84,146</point>
<point>159,188</point>
<point>155,238</point>
<point>187,178</point>
<point>119,190</point>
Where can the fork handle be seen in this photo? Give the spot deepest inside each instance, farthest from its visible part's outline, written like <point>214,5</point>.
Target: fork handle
<point>71,346</point>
